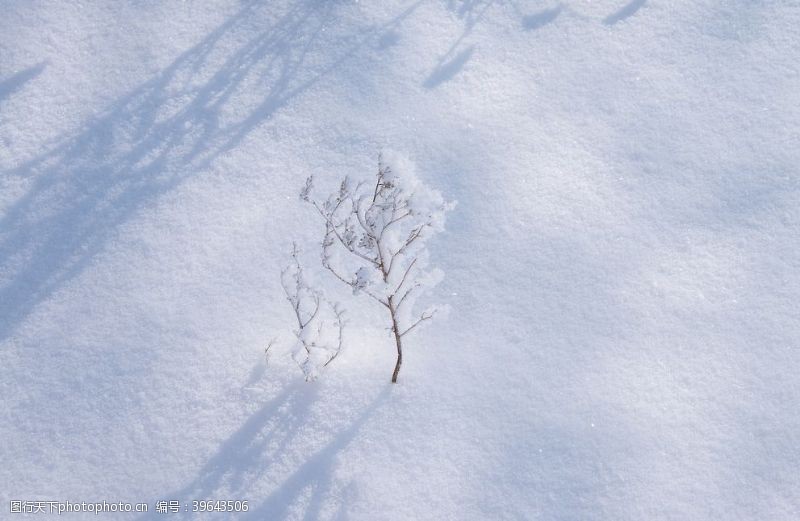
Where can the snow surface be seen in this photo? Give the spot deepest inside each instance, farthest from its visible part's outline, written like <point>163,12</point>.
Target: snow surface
<point>622,267</point>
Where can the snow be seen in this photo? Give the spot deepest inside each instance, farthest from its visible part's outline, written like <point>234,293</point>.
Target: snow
<point>621,268</point>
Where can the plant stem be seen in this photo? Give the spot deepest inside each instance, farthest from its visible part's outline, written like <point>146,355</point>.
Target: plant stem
<point>398,341</point>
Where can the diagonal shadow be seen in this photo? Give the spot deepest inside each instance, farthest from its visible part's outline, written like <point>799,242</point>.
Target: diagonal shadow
<point>472,12</point>
<point>452,61</point>
<point>144,145</point>
<point>239,460</point>
<point>447,69</point>
<point>538,20</point>
<point>261,446</point>
<point>15,82</point>
<point>154,138</point>
<point>315,473</point>
<point>624,12</point>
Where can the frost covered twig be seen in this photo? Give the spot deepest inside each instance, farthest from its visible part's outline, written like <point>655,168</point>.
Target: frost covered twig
<point>267,350</point>
<point>382,228</point>
<point>320,323</point>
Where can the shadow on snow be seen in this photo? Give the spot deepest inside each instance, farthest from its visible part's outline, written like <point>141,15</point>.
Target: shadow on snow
<point>15,82</point>
<point>261,450</point>
<point>154,138</point>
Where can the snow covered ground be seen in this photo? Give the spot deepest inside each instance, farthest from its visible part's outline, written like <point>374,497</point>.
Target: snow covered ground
<point>622,268</point>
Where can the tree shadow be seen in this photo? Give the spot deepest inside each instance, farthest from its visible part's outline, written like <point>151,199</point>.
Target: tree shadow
<point>261,448</point>
<point>452,61</point>
<point>15,82</point>
<point>537,20</point>
<point>315,475</point>
<point>151,140</point>
<point>255,445</point>
<point>624,12</point>
<point>389,33</point>
<point>472,12</point>
<point>446,70</point>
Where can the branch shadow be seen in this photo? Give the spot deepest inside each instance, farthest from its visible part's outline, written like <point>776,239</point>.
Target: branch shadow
<point>389,33</point>
<point>263,445</point>
<point>150,141</point>
<point>258,442</point>
<point>624,12</point>
<point>15,82</point>
<point>472,11</point>
<point>446,70</point>
<point>452,61</point>
<point>538,20</point>
<point>315,473</point>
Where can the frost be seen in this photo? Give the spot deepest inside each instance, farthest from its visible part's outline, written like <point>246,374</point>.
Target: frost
<point>375,240</point>
<point>319,322</point>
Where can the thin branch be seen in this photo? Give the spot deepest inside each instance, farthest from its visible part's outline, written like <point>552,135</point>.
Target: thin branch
<point>332,228</point>
<point>378,248</point>
<point>266,349</point>
<point>314,314</point>
<point>407,293</point>
<point>361,220</point>
<point>340,325</point>
<point>392,221</point>
<point>424,317</point>
<point>380,178</point>
<point>327,265</point>
<point>397,219</point>
<point>293,298</point>
<point>375,297</point>
<point>405,275</point>
<point>415,234</point>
